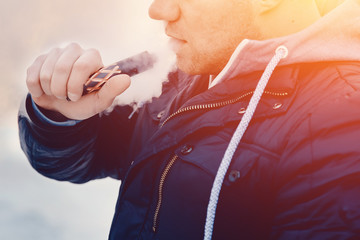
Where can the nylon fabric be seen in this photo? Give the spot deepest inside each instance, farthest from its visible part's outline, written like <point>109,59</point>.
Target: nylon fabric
<point>280,53</point>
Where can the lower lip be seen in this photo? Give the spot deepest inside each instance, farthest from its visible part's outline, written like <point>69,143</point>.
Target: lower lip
<point>175,44</point>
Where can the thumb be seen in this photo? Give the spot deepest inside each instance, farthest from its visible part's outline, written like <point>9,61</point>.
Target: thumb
<point>94,103</point>
<point>112,88</point>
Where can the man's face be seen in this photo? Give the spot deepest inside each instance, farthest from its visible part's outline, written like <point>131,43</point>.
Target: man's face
<point>204,33</point>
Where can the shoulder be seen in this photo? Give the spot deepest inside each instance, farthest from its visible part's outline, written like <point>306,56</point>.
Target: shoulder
<point>329,90</point>
<point>326,111</point>
<point>343,76</point>
<point>339,93</point>
<point>341,112</point>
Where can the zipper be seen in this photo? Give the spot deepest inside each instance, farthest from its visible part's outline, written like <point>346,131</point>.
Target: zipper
<point>160,191</point>
<point>217,104</point>
<point>175,157</point>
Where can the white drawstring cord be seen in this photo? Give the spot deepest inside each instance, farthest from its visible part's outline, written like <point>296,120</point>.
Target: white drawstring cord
<point>281,52</point>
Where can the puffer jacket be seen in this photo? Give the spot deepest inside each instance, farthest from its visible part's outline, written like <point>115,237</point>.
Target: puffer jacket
<point>294,175</point>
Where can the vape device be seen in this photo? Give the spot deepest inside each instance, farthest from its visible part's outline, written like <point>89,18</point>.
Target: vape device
<point>130,66</point>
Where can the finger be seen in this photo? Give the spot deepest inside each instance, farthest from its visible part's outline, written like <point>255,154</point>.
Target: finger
<point>87,64</point>
<point>47,70</point>
<point>94,103</point>
<point>112,88</point>
<point>33,77</point>
<point>62,70</point>
<point>45,101</point>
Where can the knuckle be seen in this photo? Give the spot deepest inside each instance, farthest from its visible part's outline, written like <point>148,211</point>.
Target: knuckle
<point>62,68</point>
<point>75,86</point>
<point>126,78</point>
<point>31,81</point>
<point>36,65</point>
<point>39,59</point>
<point>101,103</point>
<point>94,52</point>
<point>74,45</point>
<point>45,76</point>
<point>74,89</point>
<point>57,91</point>
<point>81,66</point>
<point>54,51</point>
<point>29,71</point>
<point>97,105</point>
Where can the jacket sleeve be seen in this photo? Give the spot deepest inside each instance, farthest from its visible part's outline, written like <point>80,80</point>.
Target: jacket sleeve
<point>319,193</point>
<point>91,149</point>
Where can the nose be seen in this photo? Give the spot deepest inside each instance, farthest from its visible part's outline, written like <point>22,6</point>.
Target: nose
<point>167,10</point>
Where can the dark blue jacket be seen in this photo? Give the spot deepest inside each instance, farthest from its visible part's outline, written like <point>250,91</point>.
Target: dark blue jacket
<point>295,174</point>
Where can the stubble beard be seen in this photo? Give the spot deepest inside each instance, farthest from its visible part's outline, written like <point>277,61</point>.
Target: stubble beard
<point>212,62</point>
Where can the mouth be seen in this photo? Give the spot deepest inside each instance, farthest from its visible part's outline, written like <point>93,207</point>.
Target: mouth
<point>176,43</point>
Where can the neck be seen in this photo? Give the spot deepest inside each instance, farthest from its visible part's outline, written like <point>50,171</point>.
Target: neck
<point>326,6</point>
<point>288,17</point>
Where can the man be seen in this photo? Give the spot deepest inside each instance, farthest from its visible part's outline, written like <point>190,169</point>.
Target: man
<point>294,170</point>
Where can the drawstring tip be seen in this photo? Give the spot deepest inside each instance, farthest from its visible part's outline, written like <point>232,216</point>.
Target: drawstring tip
<point>283,50</point>
<point>136,108</point>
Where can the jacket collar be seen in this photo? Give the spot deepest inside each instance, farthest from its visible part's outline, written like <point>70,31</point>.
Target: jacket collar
<point>188,122</point>
<point>332,38</point>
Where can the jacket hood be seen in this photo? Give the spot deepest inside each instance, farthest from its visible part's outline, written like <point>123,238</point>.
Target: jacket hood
<point>334,37</point>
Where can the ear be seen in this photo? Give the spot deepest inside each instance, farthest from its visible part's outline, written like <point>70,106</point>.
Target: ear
<point>267,5</point>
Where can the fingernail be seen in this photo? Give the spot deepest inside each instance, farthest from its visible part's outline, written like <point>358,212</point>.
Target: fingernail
<point>73,97</point>
<point>61,97</point>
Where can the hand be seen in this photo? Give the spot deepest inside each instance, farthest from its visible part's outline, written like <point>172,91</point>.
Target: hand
<point>62,73</point>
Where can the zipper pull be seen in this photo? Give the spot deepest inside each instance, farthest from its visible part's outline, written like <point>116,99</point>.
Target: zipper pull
<point>136,108</point>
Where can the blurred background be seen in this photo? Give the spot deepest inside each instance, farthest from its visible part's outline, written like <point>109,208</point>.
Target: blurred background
<point>32,206</point>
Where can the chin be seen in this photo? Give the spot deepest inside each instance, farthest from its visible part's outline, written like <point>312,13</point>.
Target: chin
<point>198,64</point>
<point>191,67</point>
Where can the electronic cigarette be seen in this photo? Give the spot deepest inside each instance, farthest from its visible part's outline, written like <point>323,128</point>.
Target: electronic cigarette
<point>130,66</point>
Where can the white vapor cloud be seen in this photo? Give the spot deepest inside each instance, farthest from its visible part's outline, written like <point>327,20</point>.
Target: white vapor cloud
<point>31,206</point>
